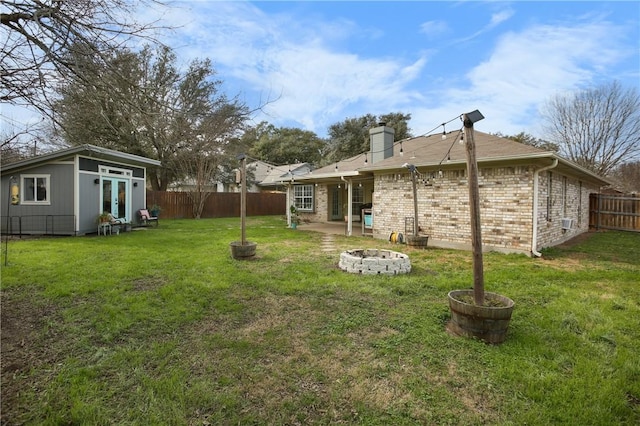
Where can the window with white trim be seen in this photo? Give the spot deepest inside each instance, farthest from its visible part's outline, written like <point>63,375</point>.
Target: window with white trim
<point>115,171</point>
<point>303,197</point>
<point>35,189</point>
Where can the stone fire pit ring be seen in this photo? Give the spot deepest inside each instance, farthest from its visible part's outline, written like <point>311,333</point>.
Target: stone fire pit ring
<point>374,262</point>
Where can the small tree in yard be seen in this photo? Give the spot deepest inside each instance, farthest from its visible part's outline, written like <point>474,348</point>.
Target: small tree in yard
<point>202,159</point>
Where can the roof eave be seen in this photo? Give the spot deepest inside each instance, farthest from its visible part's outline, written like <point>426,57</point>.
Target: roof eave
<point>80,150</point>
<point>328,176</point>
<point>579,170</point>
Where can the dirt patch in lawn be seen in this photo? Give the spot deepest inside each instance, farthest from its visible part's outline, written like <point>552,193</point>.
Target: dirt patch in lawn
<point>578,239</point>
<point>28,342</point>
<point>285,349</point>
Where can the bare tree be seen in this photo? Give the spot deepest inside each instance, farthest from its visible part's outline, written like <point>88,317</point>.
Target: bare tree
<point>39,34</point>
<point>596,128</point>
<point>627,177</point>
<point>42,41</point>
<point>205,155</point>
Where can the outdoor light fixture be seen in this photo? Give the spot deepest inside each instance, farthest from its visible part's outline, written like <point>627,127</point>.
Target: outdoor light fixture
<point>135,184</point>
<point>401,150</point>
<point>96,181</point>
<point>473,117</point>
<point>366,160</point>
<point>444,131</point>
<point>411,167</point>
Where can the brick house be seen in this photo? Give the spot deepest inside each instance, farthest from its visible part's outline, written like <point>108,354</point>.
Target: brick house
<point>530,198</point>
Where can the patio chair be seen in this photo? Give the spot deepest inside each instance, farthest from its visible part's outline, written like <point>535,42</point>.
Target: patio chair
<point>145,219</point>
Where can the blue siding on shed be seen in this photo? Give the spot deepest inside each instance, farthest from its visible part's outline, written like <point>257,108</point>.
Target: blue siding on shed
<point>61,215</point>
<point>89,208</point>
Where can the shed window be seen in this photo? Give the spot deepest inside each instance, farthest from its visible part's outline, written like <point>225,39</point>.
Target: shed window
<point>35,189</point>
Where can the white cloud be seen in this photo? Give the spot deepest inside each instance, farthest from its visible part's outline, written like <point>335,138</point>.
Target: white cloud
<point>301,62</point>
<point>309,65</point>
<point>525,69</point>
<point>496,19</point>
<point>306,62</point>
<point>434,28</point>
<point>500,17</point>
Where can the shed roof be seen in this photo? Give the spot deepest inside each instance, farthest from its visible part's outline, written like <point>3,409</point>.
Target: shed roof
<point>86,150</point>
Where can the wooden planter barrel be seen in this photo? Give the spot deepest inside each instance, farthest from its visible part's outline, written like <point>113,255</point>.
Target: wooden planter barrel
<point>487,323</point>
<point>418,241</point>
<point>243,251</point>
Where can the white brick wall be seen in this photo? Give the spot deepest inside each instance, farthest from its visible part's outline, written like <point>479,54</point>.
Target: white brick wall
<point>443,207</point>
<point>569,199</point>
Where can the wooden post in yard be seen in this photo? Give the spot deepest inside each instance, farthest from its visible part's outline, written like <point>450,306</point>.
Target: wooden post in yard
<point>415,202</point>
<point>474,207</point>
<point>243,197</point>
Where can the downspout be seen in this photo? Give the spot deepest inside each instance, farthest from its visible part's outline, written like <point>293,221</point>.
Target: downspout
<point>349,213</point>
<point>536,174</point>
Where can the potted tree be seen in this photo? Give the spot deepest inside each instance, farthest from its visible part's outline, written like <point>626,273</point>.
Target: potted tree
<point>476,313</point>
<point>155,210</point>
<point>104,217</point>
<point>295,218</point>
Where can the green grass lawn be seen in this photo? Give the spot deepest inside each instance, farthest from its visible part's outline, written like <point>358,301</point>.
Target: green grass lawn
<point>162,326</point>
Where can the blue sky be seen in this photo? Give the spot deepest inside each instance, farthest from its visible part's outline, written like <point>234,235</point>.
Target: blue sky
<point>321,62</point>
<point>324,61</point>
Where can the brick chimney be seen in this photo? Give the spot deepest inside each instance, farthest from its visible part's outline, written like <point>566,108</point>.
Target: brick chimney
<point>381,142</point>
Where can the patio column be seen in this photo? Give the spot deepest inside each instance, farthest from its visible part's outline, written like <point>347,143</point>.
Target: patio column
<point>349,207</point>
<point>289,202</point>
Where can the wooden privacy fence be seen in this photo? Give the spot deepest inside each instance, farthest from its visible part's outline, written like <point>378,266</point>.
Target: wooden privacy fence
<point>621,212</point>
<point>178,205</point>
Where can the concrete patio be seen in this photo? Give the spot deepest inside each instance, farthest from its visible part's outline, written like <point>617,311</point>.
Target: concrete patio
<point>335,227</point>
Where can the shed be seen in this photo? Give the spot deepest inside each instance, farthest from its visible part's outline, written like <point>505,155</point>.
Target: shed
<point>64,192</point>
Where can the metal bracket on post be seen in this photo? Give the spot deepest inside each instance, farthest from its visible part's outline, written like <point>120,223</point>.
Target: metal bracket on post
<point>409,225</point>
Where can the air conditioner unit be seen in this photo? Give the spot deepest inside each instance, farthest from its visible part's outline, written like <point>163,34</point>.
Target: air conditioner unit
<point>567,223</point>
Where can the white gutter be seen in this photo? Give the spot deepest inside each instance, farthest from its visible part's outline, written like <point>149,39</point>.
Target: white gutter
<point>534,239</point>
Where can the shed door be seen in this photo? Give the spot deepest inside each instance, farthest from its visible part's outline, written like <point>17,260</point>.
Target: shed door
<point>115,196</point>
